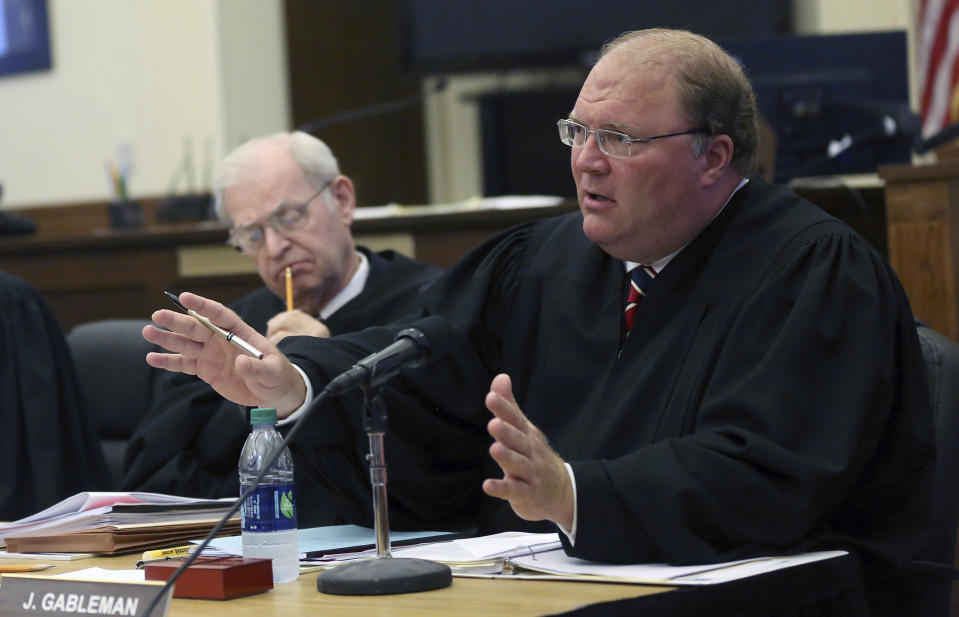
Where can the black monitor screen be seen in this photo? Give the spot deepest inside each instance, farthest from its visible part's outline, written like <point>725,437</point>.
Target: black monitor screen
<point>24,36</point>
<point>451,35</point>
<point>820,90</point>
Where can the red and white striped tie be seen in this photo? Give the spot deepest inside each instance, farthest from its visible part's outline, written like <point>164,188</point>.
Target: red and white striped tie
<point>639,279</point>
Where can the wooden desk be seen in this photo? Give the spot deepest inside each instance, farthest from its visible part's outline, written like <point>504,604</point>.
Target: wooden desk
<point>922,203</point>
<point>465,598</point>
<point>88,271</point>
<point>104,273</point>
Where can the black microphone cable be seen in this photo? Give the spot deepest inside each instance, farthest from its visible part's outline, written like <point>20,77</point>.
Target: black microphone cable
<point>375,109</point>
<point>323,395</point>
<point>430,335</point>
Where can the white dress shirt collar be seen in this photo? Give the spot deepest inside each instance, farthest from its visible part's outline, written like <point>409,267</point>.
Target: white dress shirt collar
<point>351,290</point>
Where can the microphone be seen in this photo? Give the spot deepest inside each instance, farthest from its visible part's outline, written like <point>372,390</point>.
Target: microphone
<point>425,339</point>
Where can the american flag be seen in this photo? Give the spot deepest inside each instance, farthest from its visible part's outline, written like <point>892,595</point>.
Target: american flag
<point>938,63</point>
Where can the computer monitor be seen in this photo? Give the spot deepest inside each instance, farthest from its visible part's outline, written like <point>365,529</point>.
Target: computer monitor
<point>831,91</point>
<point>441,36</point>
<point>24,36</point>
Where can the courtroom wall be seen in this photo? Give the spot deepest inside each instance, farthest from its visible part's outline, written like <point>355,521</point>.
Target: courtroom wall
<point>163,79</point>
<point>168,77</point>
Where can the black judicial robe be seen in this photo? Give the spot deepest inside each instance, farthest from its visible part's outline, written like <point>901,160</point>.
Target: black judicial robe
<point>189,442</point>
<point>769,399</point>
<point>49,447</point>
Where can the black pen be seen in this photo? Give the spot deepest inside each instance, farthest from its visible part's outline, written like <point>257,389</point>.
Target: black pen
<point>229,336</point>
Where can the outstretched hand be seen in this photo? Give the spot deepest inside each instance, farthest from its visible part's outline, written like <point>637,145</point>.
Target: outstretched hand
<point>535,481</point>
<point>271,381</point>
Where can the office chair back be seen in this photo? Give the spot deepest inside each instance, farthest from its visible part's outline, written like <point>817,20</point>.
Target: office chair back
<point>116,380</point>
<point>942,373</point>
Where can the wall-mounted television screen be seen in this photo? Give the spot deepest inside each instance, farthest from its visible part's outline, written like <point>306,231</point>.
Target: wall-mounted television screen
<point>451,35</point>
<point>24,36</point>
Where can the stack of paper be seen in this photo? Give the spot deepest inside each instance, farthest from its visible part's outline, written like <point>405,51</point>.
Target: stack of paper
<point>475,204</point>
<point>540,556</point>
<point>483,549</point>
<point>116,522</point>
<point>485,554</point>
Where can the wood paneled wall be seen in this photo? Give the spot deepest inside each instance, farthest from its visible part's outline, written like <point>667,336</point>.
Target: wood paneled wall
<point>343,56</point>
<point>922,205</point>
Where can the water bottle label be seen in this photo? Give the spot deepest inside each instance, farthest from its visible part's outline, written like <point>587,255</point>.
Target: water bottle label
<point>270,508</point>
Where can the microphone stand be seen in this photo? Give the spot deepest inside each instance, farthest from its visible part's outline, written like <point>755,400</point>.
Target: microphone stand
<point>375,109</point>
<point>382,574</point>
<point>943,136</point>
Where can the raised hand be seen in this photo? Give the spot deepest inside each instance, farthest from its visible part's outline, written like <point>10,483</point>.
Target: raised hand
<point>535,481</point>
<point>196,350</point>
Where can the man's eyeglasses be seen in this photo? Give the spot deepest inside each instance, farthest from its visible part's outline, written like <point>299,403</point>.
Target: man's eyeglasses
<point>611,143</point>
<point>248,239</point>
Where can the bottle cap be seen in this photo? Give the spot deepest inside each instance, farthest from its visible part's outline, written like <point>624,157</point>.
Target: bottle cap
<point>263,415</point>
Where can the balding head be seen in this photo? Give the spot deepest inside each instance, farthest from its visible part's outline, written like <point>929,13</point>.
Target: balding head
<point>711,87</point>
<point>314,158</point>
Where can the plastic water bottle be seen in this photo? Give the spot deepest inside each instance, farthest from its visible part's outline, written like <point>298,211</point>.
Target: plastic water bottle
<point>269,513</point>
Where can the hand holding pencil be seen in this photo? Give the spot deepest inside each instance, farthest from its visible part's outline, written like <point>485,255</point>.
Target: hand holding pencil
<point>293,322</point>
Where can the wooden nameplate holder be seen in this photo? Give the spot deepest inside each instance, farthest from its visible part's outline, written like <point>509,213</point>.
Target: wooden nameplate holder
<point>215,578</point>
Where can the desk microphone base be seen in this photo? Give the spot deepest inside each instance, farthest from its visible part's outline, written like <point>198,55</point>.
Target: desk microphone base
<point>382,576</point>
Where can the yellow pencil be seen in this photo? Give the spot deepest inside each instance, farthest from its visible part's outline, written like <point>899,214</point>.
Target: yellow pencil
<point>164,554</point>
<point>23,567</point>
<point>175,551</point>
<point>289,289</point>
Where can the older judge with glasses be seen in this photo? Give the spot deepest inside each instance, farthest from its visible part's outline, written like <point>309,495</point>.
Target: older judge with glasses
<point>696,367</point>
<point>290,211</point>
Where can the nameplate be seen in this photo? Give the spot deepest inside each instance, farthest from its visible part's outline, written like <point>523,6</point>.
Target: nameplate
<point>23,595</point>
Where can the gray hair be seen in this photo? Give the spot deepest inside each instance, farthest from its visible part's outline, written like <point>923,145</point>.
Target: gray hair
<point>312,155</point>
<point>712,87</point>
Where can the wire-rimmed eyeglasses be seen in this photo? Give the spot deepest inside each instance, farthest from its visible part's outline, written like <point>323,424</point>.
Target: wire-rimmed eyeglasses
<point>611,143</point>
<point>248,239</point>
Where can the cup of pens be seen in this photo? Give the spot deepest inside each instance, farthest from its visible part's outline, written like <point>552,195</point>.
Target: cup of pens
<point>126,214</point>
<point>122,211</point>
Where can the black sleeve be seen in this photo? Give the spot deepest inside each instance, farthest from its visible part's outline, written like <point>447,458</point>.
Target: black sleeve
<point>436,445</point>
<point>189,443</point>
<point>49,446</point>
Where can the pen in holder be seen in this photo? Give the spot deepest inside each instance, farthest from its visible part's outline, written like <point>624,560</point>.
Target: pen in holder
<point>123,212</point>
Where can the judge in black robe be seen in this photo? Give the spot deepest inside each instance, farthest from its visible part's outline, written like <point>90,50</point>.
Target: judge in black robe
<point>189,442</point>
<point>769,399</point>
<point>49,446</point>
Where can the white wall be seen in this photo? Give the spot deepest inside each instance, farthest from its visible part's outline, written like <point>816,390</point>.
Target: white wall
<point>829,16</point>
<point>253,69</point>
<point>158,77</point>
